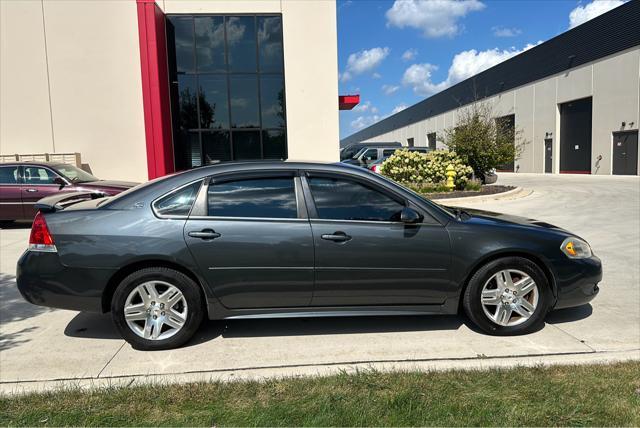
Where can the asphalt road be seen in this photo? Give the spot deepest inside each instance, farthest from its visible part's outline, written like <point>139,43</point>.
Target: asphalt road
<point>43,348</point>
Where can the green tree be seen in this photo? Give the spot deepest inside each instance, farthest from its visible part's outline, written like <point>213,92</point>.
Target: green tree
<point>482,140</point>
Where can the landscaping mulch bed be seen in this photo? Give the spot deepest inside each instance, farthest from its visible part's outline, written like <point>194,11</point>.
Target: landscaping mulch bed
<point>491,189</point>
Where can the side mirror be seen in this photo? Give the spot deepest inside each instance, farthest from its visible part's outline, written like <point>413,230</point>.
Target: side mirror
<point>60,182</point>
<point>410,216</point>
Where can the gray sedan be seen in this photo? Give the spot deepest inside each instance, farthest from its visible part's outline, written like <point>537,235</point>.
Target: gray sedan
<point>264,239</point>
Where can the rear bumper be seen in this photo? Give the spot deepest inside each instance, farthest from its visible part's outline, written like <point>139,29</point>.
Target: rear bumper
<point>577,281</point>
<point>44,281</point>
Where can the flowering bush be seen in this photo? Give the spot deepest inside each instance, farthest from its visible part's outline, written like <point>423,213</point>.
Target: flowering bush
<point>408,167</point>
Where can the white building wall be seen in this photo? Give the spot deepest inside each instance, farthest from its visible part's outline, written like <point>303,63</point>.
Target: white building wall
<point>83,93</point>
<point>612,82</point>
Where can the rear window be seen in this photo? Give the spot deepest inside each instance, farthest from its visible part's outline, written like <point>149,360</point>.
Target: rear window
<point>272,197</point>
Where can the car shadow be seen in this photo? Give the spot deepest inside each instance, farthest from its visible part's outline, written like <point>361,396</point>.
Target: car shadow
<point>560,316</point>
<point>100,326</point>
<point>20,224</point>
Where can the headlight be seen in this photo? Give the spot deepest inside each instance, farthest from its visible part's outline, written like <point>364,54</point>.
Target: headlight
<point>576,248</point>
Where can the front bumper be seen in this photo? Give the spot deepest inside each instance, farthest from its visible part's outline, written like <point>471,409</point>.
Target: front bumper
<point>577,281</point>
<point>43,280</point>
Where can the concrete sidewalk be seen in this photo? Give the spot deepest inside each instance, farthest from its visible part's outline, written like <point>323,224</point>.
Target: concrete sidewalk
<point>43,348</point>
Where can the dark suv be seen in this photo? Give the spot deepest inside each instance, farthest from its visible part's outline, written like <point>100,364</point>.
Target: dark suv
<point>22,184</point>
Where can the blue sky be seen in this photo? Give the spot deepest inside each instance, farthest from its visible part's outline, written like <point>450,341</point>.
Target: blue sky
<point>396,53</point>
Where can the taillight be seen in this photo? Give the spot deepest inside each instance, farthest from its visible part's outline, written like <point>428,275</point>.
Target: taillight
<point>375,168</point>
<point>40,238</point>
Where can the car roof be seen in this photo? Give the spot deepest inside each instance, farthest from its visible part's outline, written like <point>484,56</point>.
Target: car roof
<point>33,163</point>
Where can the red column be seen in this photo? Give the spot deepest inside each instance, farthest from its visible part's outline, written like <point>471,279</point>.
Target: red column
<point>155,88</point>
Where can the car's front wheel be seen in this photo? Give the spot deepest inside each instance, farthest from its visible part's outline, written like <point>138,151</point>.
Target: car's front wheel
<point>508,296</point>
<point>157,308</point>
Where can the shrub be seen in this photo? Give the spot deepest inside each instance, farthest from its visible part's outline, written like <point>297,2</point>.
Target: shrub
<point>483,140</point>
<point>415,168</point>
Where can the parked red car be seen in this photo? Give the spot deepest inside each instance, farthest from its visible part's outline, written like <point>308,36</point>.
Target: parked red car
<point>22,184</point>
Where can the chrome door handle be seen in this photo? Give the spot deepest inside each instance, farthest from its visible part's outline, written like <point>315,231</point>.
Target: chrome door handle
<point>205,234</point>
<point>30,190</point>
<point>337,237</point>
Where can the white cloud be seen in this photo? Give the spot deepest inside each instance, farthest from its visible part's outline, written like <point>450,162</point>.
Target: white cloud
<point>364,61</point>
<point>366,107</point>
<point>464,65</point>
<point>376,75</point>
<point>506,32</point>
<point>364,121</point>
<point>582,14</point>
<point>390,89</point>
<point>436,18</point>
<point>409,54</point>
<point>399,108</point>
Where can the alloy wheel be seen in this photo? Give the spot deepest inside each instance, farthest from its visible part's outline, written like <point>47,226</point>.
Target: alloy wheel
<point>155,310</point>
<point>510,297</point>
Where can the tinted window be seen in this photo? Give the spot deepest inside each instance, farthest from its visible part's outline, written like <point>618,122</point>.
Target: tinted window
<point>226,72</point>
<point>8,174</point>
<point>388,152</point>
<point>270,43</point>
<point>370,154</point>
<point>264,197</point>
<point>343,199</point>
<point>178,202</point>
<point>214,109</point>
<point>37,175</point>
<point>210,54</point>
<point>241,43</point>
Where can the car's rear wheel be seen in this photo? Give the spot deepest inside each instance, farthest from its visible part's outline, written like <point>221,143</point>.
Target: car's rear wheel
<point>157,308</point>
<point>508,296</point>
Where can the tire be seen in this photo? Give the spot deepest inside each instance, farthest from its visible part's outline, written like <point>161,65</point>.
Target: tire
<point>487,277</point>
<point>188,309</point>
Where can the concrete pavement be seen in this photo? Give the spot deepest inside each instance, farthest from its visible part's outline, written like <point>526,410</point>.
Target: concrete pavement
<point>44,348</point>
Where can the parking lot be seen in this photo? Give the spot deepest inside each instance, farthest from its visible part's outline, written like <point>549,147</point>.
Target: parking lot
<point>41,347</point>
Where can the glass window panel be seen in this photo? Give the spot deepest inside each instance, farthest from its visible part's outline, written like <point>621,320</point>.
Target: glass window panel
<point>342,199</point>
<point>216,146</point>
<point>36,175</point>
<point>187,150</point>
<point>210,55</point>
<point>274,143</point>
<point>8,174</point>
<point>181,29</point>
<point>178,202</point>
<point>241,43</point>
<point>266,197</point>
<point>244,102</point>
<point>188,102</point>
<point>214,109</point>
<point>270,43</point>
<point>272,101</point>
<point>246,145</point>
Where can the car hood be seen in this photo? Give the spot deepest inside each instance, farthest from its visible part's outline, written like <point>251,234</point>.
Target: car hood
<point>488,217</point>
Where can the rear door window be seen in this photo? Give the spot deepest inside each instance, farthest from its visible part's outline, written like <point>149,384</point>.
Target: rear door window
<point>272,197</point>
<point>8,175</point>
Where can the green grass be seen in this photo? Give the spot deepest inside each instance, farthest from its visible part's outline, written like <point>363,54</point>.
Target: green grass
<point>562,395</point>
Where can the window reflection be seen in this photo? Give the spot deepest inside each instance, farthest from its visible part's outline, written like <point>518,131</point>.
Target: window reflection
<point>226,87</point>
<point>214,109</point>
<point>270,43</point>
<point>244,101</point>
<point>341,199</point>
<point>241,43</point>
<point>272,101</point>
<point>210,54</point>
<point>267,198</point>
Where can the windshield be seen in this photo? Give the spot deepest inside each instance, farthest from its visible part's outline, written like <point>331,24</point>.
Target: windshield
<point>359,152</point>
<point>74,174</point>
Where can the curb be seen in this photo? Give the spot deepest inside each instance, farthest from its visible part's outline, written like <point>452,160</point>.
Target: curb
<point>512,194</point>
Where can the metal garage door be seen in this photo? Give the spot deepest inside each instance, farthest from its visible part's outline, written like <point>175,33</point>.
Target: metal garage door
<point>575,137</point>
